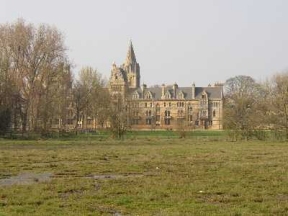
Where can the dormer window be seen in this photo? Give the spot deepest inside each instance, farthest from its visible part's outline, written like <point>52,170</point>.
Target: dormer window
<point>135,95</point>
<point>148,95</point>
<point>180,95</point>
<point>204,95</point>
<point>168,95</point>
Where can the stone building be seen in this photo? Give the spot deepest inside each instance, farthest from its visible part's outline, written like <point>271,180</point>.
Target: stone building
<point>166,106</point>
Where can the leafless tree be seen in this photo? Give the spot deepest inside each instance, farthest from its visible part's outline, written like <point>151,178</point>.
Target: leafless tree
<point>278,103</point>
<point>35,56</point>
<point>120,116</point>
<point>90,96</point>
<point>241,108</point>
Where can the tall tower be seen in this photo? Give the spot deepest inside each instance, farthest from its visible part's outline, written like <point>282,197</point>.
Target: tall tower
<point>132,68</point>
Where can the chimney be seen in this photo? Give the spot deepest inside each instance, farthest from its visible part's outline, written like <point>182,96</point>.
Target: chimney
<point>175,86</point>
<point>193,91</point>
<point>163,91</point>
<point>144,86</point>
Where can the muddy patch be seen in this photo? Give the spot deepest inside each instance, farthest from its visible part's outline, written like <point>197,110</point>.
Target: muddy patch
<point>26,179</point>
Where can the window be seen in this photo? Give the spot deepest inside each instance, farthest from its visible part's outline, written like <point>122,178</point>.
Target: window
<point>148,121</point>
<point>167,121</point>
<point>214,113</point>
<point>148,113</point>
<point>134,122</point>
<point>180,113</point>
<point>145,105</point>
<point>167,113</point>
<point>148,117</point>
<point>164,104</point>
<point>167,117</point>
<point>151,105</point>
<point>157,117</point>
<point>157,108</point>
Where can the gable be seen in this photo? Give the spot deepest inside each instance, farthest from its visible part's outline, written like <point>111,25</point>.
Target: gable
<point>135,95</point>
<point>181,95</point>
<point>148,95</point>
<point>168,95</point>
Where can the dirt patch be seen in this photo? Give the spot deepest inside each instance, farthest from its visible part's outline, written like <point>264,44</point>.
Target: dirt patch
<point>26,179</point>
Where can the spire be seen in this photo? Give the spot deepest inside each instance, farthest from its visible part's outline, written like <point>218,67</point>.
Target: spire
<point>130,58</point>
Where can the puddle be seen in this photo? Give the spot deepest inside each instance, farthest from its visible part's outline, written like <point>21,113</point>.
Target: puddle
<point>26,179</point>
<point>33,178</point>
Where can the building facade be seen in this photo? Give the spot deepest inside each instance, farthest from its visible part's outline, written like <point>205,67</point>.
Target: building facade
<point>165,106</point>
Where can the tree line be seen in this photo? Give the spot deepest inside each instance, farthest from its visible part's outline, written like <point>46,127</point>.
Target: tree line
<point>256,109</point>
<point>37,87</point>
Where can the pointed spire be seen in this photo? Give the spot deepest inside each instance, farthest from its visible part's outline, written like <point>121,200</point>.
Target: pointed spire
<point>130,58</point>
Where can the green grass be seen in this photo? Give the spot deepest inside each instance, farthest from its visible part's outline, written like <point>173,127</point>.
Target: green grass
<point>145,177</point>
<point>101,135</point>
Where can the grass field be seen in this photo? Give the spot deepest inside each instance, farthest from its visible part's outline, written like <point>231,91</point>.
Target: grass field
<point>143,177</point>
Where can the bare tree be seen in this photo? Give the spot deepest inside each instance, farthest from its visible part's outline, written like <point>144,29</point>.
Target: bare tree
<point>35,57</point>
<point>278,103</point>
<point>119,116</point>
<point>90,96</point>
<point>241,108</point>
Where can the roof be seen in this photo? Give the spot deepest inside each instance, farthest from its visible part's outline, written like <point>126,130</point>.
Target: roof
<point>212,92</point>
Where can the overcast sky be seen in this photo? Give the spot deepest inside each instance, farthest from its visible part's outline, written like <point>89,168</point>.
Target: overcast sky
<point>184,41</point>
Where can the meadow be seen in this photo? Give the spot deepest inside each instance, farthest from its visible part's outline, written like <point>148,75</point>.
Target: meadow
<point>147,176</point>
